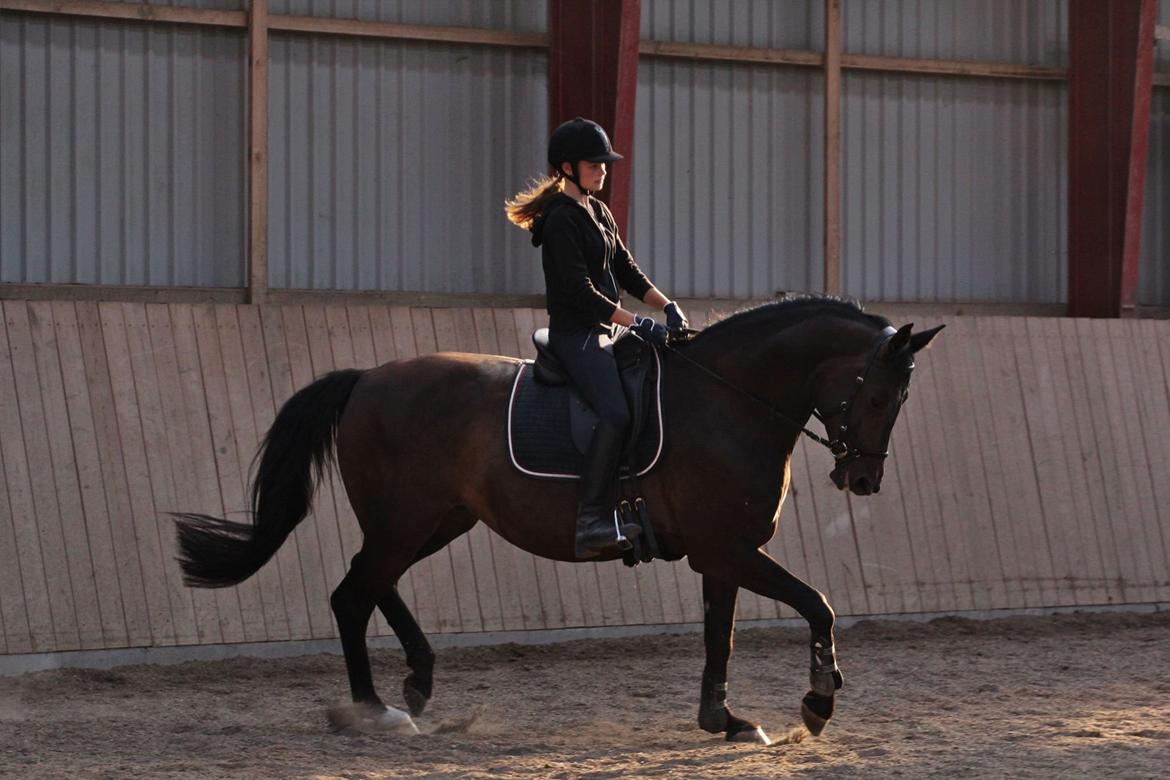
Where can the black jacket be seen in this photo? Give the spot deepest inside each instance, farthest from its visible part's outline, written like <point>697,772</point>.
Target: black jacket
<point>584,260</point>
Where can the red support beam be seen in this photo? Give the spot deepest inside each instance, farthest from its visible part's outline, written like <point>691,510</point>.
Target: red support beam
<point>1111,48</point>
<point>593,72</point>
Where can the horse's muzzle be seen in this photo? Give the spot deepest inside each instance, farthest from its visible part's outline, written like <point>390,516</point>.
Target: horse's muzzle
<point>864,486</point>
<point>859,481</point>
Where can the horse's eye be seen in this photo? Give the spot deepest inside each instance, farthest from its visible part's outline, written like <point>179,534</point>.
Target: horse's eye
<point>877,404</point>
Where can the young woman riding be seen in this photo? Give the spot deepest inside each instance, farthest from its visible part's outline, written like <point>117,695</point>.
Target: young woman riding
<point>584,261</point>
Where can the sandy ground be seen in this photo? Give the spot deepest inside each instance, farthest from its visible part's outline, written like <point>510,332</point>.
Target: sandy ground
<point>1065,696</point>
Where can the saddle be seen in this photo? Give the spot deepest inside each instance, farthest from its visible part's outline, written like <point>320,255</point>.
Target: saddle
<point>550,426</point>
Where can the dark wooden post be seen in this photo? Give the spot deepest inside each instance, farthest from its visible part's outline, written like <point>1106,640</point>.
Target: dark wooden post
<point>593,72</point>
<point>832,231</point>
<point>257,277</point>
<point>1111,47</point>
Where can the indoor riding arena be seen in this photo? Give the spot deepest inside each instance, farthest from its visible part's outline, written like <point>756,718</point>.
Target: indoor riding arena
<point>208,206</point>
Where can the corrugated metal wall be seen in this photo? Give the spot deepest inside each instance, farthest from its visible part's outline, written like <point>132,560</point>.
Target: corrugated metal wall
<point>728,158</point>
<point>121,152</point>
<point>390,163</point>
<point>219,5</point>
<point>123,158</point>
<point>727,178</point>
<point>1154,269</point>
<point>1033,33</point>
<point>515,15</point>
<point>953,189</point>
<point>793,24</point>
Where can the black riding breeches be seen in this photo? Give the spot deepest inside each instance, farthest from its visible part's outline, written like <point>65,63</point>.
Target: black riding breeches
<point>587,356</point>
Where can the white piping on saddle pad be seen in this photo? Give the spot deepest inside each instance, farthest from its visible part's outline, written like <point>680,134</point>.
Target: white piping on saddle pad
<point>512,405</point>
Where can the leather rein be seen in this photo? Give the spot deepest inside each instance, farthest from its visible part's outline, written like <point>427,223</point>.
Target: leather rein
<point>837,443</point>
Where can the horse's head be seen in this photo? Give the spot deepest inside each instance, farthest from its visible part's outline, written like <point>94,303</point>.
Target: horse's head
<point>859,400</point>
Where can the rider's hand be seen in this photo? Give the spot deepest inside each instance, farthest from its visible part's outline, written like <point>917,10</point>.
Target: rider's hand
<point>650,331</point>
<point>675,319</point>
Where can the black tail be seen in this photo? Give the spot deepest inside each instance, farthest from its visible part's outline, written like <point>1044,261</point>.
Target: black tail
<point>216,553</point>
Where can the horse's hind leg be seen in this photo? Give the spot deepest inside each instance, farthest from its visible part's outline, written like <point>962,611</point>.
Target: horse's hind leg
<point>417,687</point>
<point>718,627</point>
<point>388,549</point>
<point>353,602</point>
<point>419,684</point>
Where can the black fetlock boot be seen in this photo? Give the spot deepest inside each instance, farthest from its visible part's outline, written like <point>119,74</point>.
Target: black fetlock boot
<point>598,526</point>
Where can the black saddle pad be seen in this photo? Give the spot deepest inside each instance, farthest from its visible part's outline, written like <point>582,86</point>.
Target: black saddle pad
<point>539,437</point>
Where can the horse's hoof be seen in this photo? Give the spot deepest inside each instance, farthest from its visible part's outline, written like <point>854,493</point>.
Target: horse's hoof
<point>838,680</point>
<point>754,734</point>
<point>815,711</point>
<point>395,721</point>
<point>416,700</point>
<point>370,718</point>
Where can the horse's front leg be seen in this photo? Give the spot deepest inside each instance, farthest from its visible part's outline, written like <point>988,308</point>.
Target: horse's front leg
<point>718,628</point>
<point>760,573</point>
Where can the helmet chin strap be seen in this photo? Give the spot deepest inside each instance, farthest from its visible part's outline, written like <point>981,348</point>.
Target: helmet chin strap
<point>575,177</point>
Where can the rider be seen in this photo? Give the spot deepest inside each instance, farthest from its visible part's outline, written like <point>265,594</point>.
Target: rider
<point>584,260</point>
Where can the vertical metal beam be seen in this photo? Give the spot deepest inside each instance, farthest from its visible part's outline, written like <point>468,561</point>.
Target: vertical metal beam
<point>832,147</point>
<point>593,72</point>
<point>258,152</point>
<point>1111,47</point>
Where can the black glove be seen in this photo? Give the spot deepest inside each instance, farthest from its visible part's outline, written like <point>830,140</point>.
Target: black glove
<point>675,319</point>
<point>650,331</point>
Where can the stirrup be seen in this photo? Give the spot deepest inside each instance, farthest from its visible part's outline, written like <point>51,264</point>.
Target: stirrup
<point>623,543</point>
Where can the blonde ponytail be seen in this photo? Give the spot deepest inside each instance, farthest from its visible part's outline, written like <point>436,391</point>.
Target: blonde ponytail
<point>525,206</point>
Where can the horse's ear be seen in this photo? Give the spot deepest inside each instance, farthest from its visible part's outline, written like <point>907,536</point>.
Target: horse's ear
<point>897,342</point>
<point>919,340</point>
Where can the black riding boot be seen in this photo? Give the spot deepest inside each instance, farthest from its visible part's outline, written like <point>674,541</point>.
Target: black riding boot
<point>597,524</point>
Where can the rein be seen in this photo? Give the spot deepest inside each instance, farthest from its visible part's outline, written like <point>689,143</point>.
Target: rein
<point>837,445</point>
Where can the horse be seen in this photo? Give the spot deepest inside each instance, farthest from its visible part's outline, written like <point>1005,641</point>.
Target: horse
<point>421,448</point>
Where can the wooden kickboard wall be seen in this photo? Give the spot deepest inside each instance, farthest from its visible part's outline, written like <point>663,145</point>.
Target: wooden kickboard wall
<point>1030,468</point>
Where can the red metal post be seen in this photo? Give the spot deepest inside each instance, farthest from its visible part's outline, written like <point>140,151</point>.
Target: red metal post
<point>593,72</point>
<point>1111,47</point>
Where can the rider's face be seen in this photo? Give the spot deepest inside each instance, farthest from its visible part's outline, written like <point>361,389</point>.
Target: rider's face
<point>592,174</point>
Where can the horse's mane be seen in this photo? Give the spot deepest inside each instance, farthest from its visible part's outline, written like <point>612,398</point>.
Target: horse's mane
<point>778,315</point>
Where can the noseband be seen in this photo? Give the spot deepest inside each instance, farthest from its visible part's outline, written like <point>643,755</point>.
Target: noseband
<point>838,443</point>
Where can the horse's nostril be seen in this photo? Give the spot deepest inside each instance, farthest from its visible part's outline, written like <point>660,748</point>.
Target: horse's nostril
<point>861,486</point>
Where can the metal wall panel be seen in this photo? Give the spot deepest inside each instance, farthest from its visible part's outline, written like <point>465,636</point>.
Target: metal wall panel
<point>121,153</point>
<point>727,178</point>
<point>218,5</point>
<point>514,15</point>
<point>390,163</point>
<point>1154,268</point>
<point>1033,32</point>
<point>953,189</point>
<point>791,24</point>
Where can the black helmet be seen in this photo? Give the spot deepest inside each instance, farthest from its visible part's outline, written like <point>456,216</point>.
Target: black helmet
<point>579,139</point>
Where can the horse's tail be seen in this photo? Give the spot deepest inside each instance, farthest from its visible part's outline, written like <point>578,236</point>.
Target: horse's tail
<point>216,553</point>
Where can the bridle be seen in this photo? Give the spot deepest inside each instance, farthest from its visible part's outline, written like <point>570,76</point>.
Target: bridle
<point>838,445</point>
<point>837,442</point>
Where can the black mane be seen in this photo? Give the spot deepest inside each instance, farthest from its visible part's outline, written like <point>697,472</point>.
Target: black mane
<point>790,311</point>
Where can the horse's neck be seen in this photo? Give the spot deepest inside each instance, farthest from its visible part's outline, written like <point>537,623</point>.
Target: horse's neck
<point>783,367</point>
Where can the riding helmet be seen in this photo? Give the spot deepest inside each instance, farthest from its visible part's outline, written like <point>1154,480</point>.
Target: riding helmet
<point>579,139</point>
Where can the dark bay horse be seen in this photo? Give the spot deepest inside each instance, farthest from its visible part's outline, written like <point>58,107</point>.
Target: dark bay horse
<point>421,449</point>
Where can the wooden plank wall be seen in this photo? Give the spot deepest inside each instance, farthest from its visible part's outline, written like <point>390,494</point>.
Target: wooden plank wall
<point>1031,468</point>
